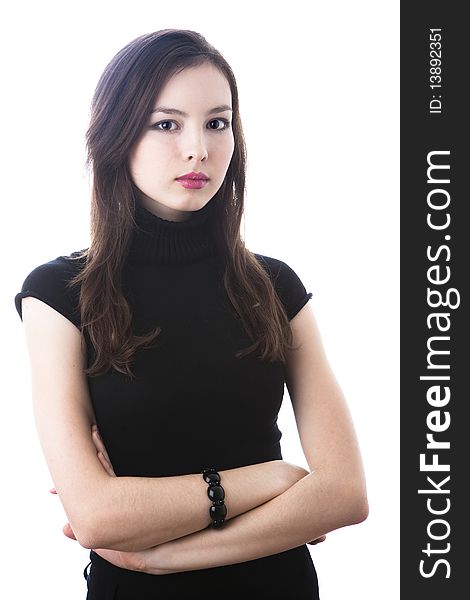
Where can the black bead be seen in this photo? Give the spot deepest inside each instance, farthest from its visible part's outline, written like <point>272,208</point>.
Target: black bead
<point>216,493</point>
<point>218,511</point>
<point>216,524</point>
<point>212,478</point>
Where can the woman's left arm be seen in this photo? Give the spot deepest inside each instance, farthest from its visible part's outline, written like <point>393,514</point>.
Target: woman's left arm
<point>333,495</point>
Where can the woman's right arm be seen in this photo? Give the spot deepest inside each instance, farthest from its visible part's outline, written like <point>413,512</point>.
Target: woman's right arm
<point>118,513</point>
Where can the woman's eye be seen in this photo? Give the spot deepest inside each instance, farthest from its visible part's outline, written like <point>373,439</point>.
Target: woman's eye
<point>157,125</point>
<point>226,124</point>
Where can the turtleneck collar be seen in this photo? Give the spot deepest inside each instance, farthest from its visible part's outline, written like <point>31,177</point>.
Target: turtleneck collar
<point>157,240</point>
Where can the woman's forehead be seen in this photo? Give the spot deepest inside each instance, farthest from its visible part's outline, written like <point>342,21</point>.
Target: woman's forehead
<point>204,85</point>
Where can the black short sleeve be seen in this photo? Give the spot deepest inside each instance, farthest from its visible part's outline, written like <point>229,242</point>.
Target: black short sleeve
<point>287,284</point>
<point>47,283</point>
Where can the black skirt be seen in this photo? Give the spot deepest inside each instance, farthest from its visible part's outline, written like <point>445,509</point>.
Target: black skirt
<point>284,576</point>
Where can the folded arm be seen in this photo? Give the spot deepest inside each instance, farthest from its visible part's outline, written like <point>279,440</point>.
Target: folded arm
<point>310,508</point>
<point>120,513</point>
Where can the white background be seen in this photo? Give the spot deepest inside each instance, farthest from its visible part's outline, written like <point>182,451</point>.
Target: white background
<point>318,85</point>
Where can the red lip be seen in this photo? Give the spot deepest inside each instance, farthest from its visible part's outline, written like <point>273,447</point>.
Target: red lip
<point>194,175</point>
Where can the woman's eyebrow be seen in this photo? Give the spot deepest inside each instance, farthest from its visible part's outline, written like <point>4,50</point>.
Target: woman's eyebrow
<point>175,111</point>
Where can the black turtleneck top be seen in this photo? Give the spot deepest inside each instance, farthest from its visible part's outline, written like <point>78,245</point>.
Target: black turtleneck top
<point>192,403</point>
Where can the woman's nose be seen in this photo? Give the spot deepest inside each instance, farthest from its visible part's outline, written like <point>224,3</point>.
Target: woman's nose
<point>195,146</point>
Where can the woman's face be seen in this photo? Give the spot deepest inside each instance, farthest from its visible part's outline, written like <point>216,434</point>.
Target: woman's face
<point>174,144</point>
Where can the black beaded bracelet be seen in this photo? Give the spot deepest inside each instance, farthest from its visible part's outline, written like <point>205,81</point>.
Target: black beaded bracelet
<point>216,493</point>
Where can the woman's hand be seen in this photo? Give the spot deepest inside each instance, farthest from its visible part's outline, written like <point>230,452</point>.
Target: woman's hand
<point>104,460</point>
<point>101,450</point>
<point>147,561</point>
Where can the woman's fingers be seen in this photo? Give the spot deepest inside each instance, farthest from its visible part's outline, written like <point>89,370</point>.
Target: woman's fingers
<point>102,453</point>
<point>322,538</point>
<point>97,440</point>
<point>106,464</point>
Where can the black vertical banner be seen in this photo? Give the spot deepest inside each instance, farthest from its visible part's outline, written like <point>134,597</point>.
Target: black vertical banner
<point>435,332</point>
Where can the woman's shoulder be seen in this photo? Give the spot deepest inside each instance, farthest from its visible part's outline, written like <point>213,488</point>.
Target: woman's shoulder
<point>49,281</point>
<point>286,282</point>
<point>274,266</point>
<point>55,271</point>
<point>281,273</point>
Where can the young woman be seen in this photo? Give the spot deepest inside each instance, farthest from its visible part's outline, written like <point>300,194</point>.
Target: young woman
<point>174,341</point>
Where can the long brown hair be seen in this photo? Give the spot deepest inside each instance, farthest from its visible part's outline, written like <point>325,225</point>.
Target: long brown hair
<point>120,109</point>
